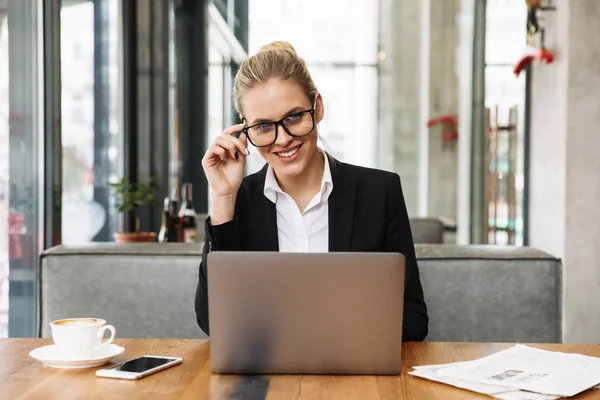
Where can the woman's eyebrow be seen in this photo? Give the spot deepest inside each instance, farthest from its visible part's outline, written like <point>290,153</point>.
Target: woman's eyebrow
<point>290,112</point>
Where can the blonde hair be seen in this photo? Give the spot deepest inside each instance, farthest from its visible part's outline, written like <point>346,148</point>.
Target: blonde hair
<point>275,60</point>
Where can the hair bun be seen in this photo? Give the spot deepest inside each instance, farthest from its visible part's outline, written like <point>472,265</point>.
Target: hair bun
<point>278,45</point>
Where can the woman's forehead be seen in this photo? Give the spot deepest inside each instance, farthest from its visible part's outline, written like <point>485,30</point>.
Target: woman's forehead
<point>272,100</point>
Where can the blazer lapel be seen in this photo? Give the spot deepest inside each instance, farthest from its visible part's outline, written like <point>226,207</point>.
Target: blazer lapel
<point>341,208</point>
<point>267,238</point>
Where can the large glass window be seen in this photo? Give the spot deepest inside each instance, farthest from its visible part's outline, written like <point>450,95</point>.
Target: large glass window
<point>220,76</point>
<point>225,52</point>
<point>217,63</point>
<point>20,173</point>
<point>4,129</point>
<point>341,50</point>
<point>505,133</point>
<point>92,143</point>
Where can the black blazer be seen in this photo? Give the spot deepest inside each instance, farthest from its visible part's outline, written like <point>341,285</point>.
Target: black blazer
<point>367,213</point>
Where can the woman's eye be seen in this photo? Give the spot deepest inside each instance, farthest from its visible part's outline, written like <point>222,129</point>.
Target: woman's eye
<point>293,118</point>
<point>264,127</point>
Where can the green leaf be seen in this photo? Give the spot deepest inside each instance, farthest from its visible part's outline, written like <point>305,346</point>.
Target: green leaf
<point>130,196</point>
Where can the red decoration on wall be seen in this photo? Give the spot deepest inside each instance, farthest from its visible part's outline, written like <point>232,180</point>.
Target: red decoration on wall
<point>449,127</point>
<point>532,53</point>
<point>535,25</point>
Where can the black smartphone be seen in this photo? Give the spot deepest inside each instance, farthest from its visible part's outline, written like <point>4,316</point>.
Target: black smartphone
<point>139,367</point>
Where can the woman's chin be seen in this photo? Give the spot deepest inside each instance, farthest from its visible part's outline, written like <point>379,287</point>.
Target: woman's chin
<point>287,168</point>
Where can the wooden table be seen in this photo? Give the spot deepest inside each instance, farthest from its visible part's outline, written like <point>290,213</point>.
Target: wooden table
<point>22,377</point>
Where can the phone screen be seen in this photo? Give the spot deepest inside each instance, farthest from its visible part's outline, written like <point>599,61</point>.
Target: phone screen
<point>142,364</point>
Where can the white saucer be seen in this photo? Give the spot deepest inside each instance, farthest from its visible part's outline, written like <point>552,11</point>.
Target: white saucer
<point>50,356</point>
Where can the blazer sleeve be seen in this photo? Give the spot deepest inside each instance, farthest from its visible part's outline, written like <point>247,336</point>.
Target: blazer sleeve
<point>224,237</point>
<point>399,238</point>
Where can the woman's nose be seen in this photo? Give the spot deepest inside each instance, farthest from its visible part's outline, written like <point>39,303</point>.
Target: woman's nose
<point>283,138</point>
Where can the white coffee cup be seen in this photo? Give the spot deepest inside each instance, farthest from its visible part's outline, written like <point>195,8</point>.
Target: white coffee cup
<point>80,338</point>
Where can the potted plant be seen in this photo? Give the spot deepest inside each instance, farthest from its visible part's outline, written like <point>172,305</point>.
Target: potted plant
<point>130,196</point>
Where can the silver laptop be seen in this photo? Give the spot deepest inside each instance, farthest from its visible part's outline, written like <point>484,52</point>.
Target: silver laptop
<point>305,313</point>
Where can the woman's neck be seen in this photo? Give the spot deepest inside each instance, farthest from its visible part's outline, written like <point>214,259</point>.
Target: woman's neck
<point>306,184</point>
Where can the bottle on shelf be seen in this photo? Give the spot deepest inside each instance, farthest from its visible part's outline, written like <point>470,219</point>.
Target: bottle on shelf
<point>174,213</point>
<point>167,231</point>
<point>187,215</point>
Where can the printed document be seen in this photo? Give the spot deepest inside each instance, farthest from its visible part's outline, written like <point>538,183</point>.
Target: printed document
<point>526,368</point>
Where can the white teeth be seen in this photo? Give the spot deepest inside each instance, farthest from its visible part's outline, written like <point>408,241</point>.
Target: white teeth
<point>289,153</point>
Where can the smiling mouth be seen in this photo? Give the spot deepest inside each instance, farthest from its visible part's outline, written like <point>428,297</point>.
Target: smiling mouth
<point>290,153</point>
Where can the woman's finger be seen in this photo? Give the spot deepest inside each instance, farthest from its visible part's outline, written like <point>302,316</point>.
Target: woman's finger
<point>238,143</point>
<point>214,154</point>
<point>233,129</point>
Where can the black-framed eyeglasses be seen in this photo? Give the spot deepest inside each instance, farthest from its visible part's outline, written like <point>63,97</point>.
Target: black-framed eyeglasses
<point>298,124</point>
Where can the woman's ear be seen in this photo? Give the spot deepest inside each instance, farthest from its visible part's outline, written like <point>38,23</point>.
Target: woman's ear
<point>319,108</point>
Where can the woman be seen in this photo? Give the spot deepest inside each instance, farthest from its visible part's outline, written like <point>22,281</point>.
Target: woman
<point>303,199</point>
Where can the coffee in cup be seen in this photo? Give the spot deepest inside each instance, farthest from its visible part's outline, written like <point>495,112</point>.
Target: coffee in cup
<point>80,338</point>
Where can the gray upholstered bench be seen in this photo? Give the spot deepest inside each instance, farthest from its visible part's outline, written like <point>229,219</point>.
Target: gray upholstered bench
<point>143,289</point>
<point>147,290</point>
<point>491,293</point>
<point>427,230</point>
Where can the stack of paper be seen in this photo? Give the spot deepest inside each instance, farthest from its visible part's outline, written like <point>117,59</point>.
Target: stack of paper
<point>519,373</point>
